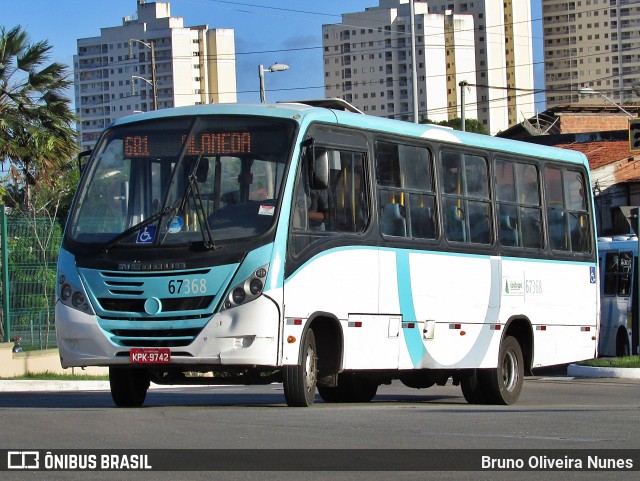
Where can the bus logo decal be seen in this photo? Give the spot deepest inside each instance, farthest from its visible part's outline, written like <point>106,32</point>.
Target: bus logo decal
<point>513,286</point>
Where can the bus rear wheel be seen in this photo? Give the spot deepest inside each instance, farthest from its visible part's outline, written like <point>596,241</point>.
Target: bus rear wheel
<point>299,381</point>
<point>472,388</point>
<point>351,388</point>
<point>128,386</point>
<point>503,384</point>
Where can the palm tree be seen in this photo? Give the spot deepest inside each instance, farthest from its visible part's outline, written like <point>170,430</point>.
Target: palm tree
<point>36,121</point>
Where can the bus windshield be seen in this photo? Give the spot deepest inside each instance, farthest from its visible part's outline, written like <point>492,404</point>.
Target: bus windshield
<point>183,180</point>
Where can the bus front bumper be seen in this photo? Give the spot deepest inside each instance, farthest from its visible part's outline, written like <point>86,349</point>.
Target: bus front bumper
<point>245,335</point>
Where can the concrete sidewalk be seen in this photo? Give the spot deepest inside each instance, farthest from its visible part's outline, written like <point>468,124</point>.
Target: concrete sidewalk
<point>25,385</point>
<point>574,370</point>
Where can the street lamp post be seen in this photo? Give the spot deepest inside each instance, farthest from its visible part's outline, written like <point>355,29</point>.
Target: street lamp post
<point>276,67</point>
<point>152,82</point>
<point>590,91</point>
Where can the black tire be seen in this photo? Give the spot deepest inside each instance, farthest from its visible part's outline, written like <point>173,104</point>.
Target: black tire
<point>128,386</point>
<point>472,389</point>
<point>622,346</point>
<point>503,384</point>
<point>300,380</point>
<point>351,388</point>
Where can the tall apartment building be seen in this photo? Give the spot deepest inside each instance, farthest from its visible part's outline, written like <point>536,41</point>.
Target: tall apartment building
<point>504,58</point>
<point>113,72</point>
<point>368,60</point>
<point>591,43</point>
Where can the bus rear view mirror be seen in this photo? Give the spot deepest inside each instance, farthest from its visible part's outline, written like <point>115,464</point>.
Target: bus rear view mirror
<point>320,169</point>
<point>83,157</point>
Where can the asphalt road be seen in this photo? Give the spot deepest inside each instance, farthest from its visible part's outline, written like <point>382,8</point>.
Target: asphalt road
<point>554,412</point>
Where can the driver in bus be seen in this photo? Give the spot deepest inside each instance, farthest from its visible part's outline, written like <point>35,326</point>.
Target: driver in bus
<point>318,208</point>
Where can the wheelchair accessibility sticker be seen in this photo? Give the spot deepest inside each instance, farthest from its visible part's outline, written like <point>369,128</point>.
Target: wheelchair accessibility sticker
<point>146,235</point>
<point>592,275</point>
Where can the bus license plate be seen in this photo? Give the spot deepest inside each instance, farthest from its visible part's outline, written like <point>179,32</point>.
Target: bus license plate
<point>145,355</point>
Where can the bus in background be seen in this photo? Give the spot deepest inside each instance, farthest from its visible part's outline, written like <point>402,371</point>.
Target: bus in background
<point>324,249</point>
<point>618,257</point>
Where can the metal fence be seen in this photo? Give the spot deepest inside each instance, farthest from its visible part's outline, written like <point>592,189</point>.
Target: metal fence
<point>29,247</point>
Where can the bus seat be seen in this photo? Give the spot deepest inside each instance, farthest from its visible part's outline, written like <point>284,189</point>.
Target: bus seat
<point>422,224</point>
<point>557,231</point>
<point>454,224</point>
<point>392,221</point>
<point>531,233</point>
<point>508,231</point>
<point>480,228</point>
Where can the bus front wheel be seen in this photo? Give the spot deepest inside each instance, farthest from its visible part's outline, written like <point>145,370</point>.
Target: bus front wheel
<point>299,381</point>
<point>503,384</point>
<point>128,386</point>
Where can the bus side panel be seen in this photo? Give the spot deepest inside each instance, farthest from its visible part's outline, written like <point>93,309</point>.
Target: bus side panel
<point>615,312</point>
<point>560,299</point>
<point>445,301</point>
<point>338,282</point>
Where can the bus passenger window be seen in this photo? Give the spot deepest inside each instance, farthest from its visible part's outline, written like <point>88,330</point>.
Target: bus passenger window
<point>611,273</point>
<point>567,216</point>
<point>625,268</point>
<point>466,201</point>
<point>405,190</point>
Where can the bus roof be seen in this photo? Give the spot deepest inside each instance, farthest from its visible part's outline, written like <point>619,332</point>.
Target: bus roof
<point>304,113</point>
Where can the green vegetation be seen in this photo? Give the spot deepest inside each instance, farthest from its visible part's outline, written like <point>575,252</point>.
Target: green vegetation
<point>470,125</point>
<point>38,142</point>
<point>51,376</point>
<point>37,132</point>
<point>628,362</point>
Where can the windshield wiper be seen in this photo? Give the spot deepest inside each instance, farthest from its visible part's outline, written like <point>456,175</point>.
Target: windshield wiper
<point>158,215</point>
<point>193,190</point>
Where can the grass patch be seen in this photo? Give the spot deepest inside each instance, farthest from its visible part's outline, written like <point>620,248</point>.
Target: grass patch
<point>51,376</point>
<point>628,362</point>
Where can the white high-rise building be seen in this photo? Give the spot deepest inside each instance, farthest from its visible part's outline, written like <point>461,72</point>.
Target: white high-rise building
<point>591,44</point>
<point>486,44</point>
<point>504,58</point>
<point>114,77</point>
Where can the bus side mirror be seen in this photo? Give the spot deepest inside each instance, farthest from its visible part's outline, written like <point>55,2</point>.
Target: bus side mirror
<point>83,157</point>
<point>319,169</point>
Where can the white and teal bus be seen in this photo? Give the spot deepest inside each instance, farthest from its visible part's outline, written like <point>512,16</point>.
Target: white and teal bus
<point>324,249</point>
<point>618,257</point>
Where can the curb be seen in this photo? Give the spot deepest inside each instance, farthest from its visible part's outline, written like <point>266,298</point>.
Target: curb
<point>22,385</point>
<point>603,372</point>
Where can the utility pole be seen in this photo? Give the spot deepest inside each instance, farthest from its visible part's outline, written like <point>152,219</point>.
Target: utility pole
<point>463,85</point>
<point>414,66</point>
<point>153,83</point>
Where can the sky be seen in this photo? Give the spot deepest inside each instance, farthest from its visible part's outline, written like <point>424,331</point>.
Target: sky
<point>266,32</point>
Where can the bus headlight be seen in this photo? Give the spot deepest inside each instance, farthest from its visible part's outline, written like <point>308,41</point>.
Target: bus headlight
<point>73,296</point>
<point>248,290</point>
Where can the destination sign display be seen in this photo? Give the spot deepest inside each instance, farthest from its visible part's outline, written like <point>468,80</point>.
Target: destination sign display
<point>206,143</point>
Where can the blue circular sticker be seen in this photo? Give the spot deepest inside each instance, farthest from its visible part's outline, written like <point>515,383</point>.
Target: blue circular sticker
<point>176,225</point>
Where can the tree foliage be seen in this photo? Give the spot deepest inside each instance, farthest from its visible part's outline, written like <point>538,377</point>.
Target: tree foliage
<point>36,121</point>
<point>470,125</point>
